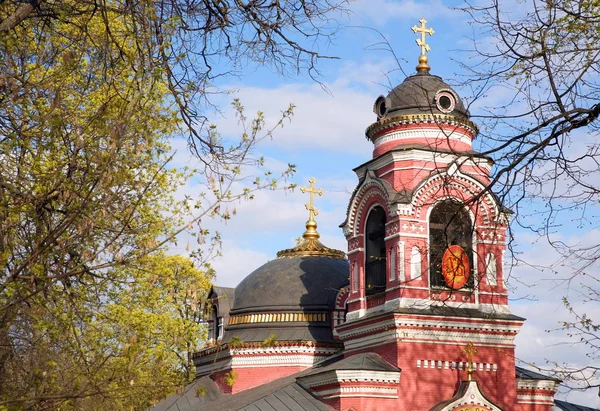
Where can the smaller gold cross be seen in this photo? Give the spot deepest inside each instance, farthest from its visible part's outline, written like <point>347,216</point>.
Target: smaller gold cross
<point>311,205</point>
<point>421,42</point>
<point>470,351</point>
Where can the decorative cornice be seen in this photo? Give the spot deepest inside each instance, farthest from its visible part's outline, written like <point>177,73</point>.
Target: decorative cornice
<point>310,247</point>
<point>546,385</point>
<point>484,332</point>
<point>351,376</point>
<point>277,318</point>
<point>438,119</point>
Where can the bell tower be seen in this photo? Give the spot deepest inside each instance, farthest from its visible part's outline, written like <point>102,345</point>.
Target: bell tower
<point>426,240</point>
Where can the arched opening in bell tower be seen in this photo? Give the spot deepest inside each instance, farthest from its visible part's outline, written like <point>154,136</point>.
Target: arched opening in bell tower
<point>375,263</point>
<point>450,236</point>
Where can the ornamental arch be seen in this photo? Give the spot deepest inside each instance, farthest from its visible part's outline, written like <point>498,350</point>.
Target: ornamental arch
<point>450,245</point>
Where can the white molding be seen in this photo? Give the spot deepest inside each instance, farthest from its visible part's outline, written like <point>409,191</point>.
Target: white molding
<point>454,365</point>
<point>267,361</point>
<point>406,302</point>
<point>356,250</point>
<point>525,384</point>
<point>356,314</point>
<point>435,135</point>
<point>535,399</point>
<point>278,350</point>
<point>252,357</point>
<point>361,392</point>
<point>413,154</point>
<point>351,376</point>
<point>391,236</point>
<point>472,396</point>
<point>442,330</point>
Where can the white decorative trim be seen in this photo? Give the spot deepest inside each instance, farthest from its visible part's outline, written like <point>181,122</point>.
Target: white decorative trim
<point>525,384</point>
<point>535,399</point>
<point>453,365</point>
<point>401,262</point>
<point>279,350</point>
<point>442,330</point>
<point>415,154</point>
<point>370,383</point>
<point>393,263</point>
<point>391,237</point>
<point>351,376</point>
<point>355,314</point>
<point>266,361</point>
<point>405,302</point>
<point>252,357</point>
<point>494,294</point>
<point>361,392</point>
<point>433,136</point>
<point>415,235</point>
<point>430,188</point>
<point>356,250</point>
<point>370,187</point>
<point>472,396</point>
<point>416,259</point>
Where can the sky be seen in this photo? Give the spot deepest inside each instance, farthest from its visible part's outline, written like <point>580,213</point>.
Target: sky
<point>325,140</point>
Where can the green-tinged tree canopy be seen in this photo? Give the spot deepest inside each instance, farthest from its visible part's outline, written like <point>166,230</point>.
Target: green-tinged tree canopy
<point>93,314</point>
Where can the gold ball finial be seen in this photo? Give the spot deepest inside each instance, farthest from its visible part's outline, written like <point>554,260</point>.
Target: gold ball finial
<point>423,63</point>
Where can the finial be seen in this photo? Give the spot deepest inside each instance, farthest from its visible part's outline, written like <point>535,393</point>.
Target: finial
<point>470,351</point>
<point>310,244</point>
<point>311,224</point>
<point>423,66</point>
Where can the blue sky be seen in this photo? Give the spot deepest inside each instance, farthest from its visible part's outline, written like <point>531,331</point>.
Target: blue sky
<point>326,140</point>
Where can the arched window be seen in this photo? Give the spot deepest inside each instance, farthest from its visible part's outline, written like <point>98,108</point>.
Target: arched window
<point>375,252</point>
<point>450,234</point>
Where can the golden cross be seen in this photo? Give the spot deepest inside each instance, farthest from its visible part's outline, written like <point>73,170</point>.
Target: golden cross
<point>470,351</point>
<point>421,42</point>
<point>312,191</point>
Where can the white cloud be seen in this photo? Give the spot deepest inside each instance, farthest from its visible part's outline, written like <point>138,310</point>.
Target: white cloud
<point>236,263</point>
<point>320,121</point>
<point>543,339</point>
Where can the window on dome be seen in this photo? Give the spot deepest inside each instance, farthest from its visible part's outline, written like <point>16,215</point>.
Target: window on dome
<point>450,246</point>
<point>375,263</point>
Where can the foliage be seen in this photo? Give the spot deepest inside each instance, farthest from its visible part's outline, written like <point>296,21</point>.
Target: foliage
<point>230,378</point>
<point>93,314</point>
<point>111,347</point>
<point>270,341</point>
<point>540,59</point>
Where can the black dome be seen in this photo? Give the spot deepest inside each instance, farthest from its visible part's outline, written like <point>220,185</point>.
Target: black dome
<point>296,283</point>
<point>419,94</point>
<point>290,298</point>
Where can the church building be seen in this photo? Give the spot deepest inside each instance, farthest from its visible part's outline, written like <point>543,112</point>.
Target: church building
<point>414,316</point>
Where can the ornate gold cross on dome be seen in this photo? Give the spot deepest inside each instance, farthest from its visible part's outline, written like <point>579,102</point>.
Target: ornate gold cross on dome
<point>312,191</point>
<point>470,351</point>
<point>421,43</point>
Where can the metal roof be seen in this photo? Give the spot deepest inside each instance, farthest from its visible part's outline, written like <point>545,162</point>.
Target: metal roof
<point>567,406</point>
